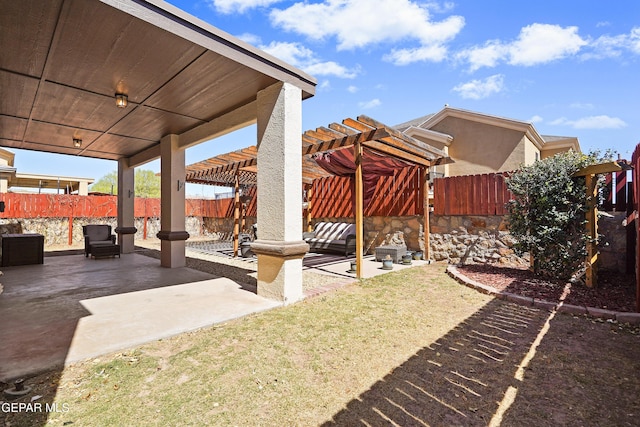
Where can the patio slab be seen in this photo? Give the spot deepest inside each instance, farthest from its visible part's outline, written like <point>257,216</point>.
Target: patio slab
<point>72,308</point>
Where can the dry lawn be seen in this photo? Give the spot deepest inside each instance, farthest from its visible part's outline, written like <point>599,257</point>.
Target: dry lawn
<point>408,348</point>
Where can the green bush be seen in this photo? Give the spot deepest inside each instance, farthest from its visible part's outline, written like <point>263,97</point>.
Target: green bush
<point>547,213</point>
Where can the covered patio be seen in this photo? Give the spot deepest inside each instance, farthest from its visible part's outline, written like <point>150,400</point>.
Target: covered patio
<point>133,81</point>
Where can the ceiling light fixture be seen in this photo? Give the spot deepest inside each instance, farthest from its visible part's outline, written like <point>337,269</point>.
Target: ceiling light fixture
<point>121,100</point>
<point>77,142</point>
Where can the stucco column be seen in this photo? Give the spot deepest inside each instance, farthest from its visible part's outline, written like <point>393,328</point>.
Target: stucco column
<point>172,192</point>
<point>126,197</point>
<point>280,247</point>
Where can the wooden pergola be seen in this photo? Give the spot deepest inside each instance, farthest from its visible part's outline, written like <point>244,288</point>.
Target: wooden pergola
<point>240,167</point>
<point>589,173</point>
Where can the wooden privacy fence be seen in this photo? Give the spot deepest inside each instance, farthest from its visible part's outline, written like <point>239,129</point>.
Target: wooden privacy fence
<point>71,206</point>
<point>618,191</point>
<point>331,197</point>
<point>397,195</point>
<point>485,194</point>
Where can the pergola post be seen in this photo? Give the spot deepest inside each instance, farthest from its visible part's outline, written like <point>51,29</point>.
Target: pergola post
<point>172,232</point>
<point>591,277</point>
<point>427,232</point>
<point>357,151</point>
<point>125,228</point>
<point>589,173</point>
<point>309,206</point>
<point>280,248</point>
<point>236,215</point>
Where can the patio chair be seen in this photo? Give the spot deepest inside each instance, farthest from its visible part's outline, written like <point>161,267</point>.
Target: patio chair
<point>97,235</point>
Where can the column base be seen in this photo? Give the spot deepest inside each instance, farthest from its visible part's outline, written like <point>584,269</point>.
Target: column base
<point>172,248</point>
<point>126,238</point>
<point>280,269</point>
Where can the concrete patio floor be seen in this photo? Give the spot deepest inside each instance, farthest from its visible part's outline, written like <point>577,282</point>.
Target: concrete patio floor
<point>73,308</point>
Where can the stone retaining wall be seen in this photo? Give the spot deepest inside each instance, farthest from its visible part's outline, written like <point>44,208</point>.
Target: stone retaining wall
<point>454,239</point>
<point>613,242</point>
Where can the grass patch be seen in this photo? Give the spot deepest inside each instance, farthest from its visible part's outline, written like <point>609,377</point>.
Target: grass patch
<point>297,365</point>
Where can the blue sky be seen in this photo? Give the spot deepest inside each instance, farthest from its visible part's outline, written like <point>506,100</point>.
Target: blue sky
<point>570,67</point>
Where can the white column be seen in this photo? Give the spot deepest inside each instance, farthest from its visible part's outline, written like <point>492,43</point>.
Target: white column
<point>280,247</point>
<point>126,197</point>
<point>83,188</point>
<point>172,219</point>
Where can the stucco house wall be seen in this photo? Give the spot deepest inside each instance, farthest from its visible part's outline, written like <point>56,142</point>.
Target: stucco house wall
<point>481,143</point>
<point>482,148</point>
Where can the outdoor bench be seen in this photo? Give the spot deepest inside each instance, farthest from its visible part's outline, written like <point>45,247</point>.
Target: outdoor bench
<point>332,237</point>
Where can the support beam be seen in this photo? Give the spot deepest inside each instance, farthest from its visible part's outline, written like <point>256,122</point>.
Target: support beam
<point>280,248</point>
<point>309,206</point>
<point>126,229</point>
<point>427,225</point>
<point>236,216</point>
<point>359,207</point>
<point>591,276</point>
<point>172,217</point>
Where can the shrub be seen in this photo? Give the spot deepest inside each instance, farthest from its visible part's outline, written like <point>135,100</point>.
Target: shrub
<point>547,213</point>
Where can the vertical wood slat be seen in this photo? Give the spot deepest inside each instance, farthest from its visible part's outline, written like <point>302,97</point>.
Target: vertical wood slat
<point>621,191</point>
<point>607,204</point>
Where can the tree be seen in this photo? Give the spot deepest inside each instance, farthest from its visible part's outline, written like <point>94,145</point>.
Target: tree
<point>547,213</point>
<point>147,184</point>
<point>108,184</point>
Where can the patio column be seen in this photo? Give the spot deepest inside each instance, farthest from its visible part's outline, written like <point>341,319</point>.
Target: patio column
<point>125,228</point>
<point>280,247</point>
<point>172,234</point>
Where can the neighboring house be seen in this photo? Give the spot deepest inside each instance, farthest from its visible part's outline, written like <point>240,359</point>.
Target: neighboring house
<point>481,143</point>
<point>11,179</point>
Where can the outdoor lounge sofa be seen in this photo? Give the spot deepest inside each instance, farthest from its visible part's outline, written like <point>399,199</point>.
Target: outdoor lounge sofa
<point>97,235</point>
<point>332,237</point>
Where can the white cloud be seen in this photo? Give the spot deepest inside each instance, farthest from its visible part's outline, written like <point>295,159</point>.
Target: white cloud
<point>361,23</point>
<point>324,85</point>
<point>479,89</point>
<point>536,119</point>
<point>488,55</point>
<point>592,122</point>
<point>370,104</point>
<point>435,53</point>
<point>239,6</point>
<point>250,38</point>
<point>615,46</point>
<point>352,89</point>
<point>541,43</point>
<point>302,57</point>
<point>536,44</point>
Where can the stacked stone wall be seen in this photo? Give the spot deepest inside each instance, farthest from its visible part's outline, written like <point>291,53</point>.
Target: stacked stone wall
<point>613,242</point>
<point>454,239</point>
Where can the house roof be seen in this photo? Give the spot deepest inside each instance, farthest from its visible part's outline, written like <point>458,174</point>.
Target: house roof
<point>63,61</point>
<point>560,142</point>
<point>413,127</point>
<point>417,122</point>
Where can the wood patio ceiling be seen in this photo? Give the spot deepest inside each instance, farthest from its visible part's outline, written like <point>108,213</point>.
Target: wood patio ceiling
<point>62,61</point>
<point>221,170</point>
